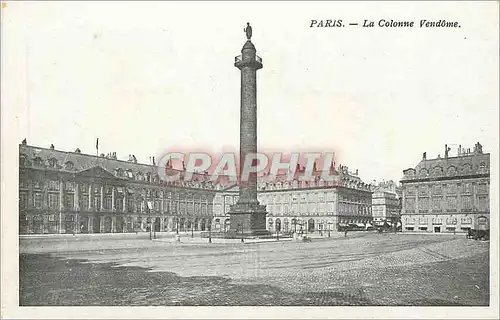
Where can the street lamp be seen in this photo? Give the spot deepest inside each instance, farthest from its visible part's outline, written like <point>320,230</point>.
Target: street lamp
<point>210,232</point>
<point>192,229</point>
<point>149,208</point>
<point>239,226</point>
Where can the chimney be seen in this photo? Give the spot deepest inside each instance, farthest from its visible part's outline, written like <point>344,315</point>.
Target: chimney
<point>459,150</point>
<point>424,156</point>
<point>154,161</point>
<point>24,142</point>
<point>446,151</point>
<point>52,147</point>
<point>78,150</point>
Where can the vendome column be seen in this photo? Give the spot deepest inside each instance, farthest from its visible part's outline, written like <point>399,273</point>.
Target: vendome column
<point>247,216</point>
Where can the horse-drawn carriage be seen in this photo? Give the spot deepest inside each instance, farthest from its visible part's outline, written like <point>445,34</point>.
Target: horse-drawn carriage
<point>480,230</point>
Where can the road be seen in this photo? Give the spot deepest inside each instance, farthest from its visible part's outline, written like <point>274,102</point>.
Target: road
<point>362,269</point>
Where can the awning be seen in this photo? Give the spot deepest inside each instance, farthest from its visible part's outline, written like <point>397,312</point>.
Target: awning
<point>360,225</point>
<point>368,225</point>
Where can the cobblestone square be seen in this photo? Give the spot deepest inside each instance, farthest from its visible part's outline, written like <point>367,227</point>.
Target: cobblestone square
<point>363,268</point>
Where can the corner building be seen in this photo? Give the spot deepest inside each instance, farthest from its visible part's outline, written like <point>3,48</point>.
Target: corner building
<point>71,192</point>
<point>449,194</point>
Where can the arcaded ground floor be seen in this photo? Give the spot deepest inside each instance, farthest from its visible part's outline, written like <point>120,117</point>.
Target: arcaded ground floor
<point>108,222</point>
<point>363,268</point>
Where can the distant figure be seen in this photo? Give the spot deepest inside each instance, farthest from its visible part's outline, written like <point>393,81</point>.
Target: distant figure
<point>345,233</point>
<point>248,31</point>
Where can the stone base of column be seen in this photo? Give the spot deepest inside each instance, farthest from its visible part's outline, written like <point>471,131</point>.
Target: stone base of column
<point>248,220</point>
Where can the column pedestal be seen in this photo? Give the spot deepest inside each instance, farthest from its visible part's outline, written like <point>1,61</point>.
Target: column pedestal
<point>248,219</point>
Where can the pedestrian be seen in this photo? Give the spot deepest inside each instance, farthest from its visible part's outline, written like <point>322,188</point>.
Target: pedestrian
<point>345,233</point>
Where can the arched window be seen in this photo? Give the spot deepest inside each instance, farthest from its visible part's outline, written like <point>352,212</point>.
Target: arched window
<point>466,169</point>
<point>278,225</point>
<point>270,223</point>
<point>437,171</point>
<point>451,171</point>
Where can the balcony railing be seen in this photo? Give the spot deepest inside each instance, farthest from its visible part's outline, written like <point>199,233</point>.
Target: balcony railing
<point>240,58</point>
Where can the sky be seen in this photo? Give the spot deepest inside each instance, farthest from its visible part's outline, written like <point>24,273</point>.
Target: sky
<point>151,77</point>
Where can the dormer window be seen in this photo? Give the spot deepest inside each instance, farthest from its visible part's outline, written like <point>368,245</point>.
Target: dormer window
<point>482,167</point>
<point>22,161</point>
<point>69,165</point>
<point>53,163</point>
<point>38,162</point>
<point>130,174</point>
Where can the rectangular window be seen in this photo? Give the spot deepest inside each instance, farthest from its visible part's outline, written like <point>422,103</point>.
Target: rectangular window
<point>410,191</point>
<point>466,203</point>
<point>53,201</point>
<point>24,183</point>
<point>482,188</point>
<point>436,204</point>
<point>23,199</point>
<point>53,185</point>
<point>423,205</point>
<point>437,190</point>
<point>70,186</point>
<point>321,207</point>
<point>37,200</point>
<point>451,204</point>
<point>409,228</point>
<point>452,188</point>
<point>410,205</point>
<point>69,201</point>
<point>84,188</point>
<point>97,202</point>
<point>330,196</point>
<point>84,202</point>
<point>422,191</point>
<point>130,203</point>
<point>483,203</point>
<point>107,203</point>
<point>119,204</point>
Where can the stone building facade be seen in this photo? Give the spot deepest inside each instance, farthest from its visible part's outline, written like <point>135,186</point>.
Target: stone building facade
<point>71,192</point>
<point>447,194</point>
<point>386,205</point>
<point>305,206</point>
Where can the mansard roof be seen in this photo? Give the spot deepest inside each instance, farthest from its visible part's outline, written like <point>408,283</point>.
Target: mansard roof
<point>463,165</point>
<point>80,162</point>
